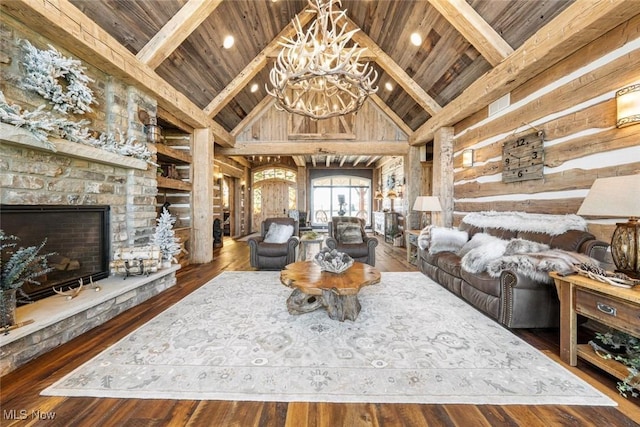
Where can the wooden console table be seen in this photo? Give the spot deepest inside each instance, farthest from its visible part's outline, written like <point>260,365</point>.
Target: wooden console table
<point>611,305</point>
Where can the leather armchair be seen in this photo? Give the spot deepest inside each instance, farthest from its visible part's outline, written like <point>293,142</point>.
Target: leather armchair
<point>362,252</point>
<point>273,256</point>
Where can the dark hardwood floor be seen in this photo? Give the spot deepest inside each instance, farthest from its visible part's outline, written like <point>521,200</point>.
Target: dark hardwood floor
<point>20,389</point>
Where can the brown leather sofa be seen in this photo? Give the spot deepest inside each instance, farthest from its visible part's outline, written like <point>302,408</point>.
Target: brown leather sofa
<point>514,300</point>
<point>273,256</point>
<point>363,251</point>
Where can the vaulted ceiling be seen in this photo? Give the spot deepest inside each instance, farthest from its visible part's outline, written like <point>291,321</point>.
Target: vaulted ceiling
<point>462,42</point>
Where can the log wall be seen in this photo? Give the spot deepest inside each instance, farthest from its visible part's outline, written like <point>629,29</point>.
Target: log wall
<point>574,104</point>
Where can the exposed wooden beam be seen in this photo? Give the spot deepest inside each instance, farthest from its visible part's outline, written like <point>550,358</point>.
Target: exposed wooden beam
<point>475,29</point>
<point>254,114</point>
<point>372,160</point>
<point>396,72</point>
<point>174,32</point>
<point>327,161</point>
<point>358,160</point>
<point>342,160</point>
<point>253,68</point>
<point>67,26</point>
<point>315,148</point>
<point>242,160</point>
<point>313,161</point>
<point>299,161</point>
<point>391,114</point>
<point>579,24</point>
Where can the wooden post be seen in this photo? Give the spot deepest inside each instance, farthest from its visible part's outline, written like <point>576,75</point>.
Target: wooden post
<point>443,175</point>
<point>202,196</point>
<point>413,172</point>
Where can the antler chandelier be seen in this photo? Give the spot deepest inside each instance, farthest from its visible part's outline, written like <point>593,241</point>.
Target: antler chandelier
<point>316,74</point>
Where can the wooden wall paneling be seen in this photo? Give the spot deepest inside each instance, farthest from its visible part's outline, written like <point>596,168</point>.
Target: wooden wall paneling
<point>572,179</point>
<point>600,81</point>
<point>561,206</point>
<point>609,42</point>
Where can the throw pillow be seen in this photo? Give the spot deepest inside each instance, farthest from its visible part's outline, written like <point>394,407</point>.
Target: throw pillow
<point>349,234</point>
<point>446,240</point>
<point>278,233</point>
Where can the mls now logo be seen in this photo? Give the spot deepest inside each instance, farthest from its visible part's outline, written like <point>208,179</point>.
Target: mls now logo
<point>23,414</point>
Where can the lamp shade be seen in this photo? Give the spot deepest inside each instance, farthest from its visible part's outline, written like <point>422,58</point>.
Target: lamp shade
<point>391,194</point>
<point>427,204</point>
<point>615,197</point>
<point>619,196</point>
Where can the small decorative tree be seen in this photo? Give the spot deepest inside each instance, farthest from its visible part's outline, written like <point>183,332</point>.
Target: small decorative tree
<point>18,267</point>
<point>165,238</point>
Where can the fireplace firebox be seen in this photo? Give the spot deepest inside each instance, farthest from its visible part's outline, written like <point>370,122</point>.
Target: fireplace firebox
<point>79,236</point>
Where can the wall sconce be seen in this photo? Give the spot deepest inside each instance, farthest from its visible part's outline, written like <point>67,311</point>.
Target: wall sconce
<point>467,158</point>
<point>628,105</point>
<point>151,128</point>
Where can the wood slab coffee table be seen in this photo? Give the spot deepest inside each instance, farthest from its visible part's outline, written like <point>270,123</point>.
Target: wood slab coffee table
<point>315,288</point>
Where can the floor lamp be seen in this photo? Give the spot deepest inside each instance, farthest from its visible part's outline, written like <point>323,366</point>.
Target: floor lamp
<point>426,204</point>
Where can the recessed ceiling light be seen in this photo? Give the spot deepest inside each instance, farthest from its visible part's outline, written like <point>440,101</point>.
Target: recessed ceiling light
<point>254,87</point>
<point>228,42</point>
<point>388,86</point>
<point>416,39</point>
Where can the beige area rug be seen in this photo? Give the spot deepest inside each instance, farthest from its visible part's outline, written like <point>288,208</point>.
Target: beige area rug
<point>413,342</point>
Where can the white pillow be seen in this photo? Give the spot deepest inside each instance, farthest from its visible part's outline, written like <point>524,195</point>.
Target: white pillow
<point>447,240</point>
<point>278,233</point>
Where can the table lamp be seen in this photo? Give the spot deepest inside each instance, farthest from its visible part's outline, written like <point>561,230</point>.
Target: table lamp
<point>426,204</point>
<point>618,197</point>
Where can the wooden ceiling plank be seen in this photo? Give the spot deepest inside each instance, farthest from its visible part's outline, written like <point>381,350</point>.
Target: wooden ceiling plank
<point>253,68</point>
<point>474,28</point>
<point>396,72</point>
<point>253,115</point>
<point>67,26</point>
<point>391,114</point>
<point>175,31</point>
<point>285,148</point>
<point>576,26</point>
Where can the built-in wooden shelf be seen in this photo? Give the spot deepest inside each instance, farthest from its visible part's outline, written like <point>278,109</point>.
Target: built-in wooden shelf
<point>173,184</point>
<point>166,153</point>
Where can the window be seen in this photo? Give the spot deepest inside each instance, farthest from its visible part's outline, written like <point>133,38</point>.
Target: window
<point>340,195</point>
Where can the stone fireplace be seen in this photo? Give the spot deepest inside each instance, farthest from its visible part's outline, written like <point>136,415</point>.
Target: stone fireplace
<point>77,235</point>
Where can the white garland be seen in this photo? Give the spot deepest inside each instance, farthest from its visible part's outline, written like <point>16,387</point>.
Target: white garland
<point>44,71</point>
<point>42,124</point>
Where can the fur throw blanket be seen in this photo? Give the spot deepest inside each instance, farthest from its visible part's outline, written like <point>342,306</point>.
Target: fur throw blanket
<point>530,259</point>
<point>529,222</point>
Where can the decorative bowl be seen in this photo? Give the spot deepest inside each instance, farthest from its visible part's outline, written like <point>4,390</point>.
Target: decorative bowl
<point>333,261</point>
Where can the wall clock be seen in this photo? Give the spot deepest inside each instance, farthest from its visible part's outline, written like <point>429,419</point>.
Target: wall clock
<point>523,158</point>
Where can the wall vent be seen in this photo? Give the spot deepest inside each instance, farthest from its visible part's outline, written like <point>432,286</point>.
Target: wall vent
<point>499,104</point>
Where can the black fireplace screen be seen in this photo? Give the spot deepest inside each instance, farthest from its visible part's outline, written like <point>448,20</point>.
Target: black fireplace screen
<point>79,236</point>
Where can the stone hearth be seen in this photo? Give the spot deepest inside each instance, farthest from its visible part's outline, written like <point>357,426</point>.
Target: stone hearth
<point>57,320</point>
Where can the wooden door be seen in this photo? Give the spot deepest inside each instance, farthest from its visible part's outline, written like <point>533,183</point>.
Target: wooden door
<point>273,201</point>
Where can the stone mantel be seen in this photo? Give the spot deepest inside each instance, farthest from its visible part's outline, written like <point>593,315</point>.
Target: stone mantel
<point>13,135</point>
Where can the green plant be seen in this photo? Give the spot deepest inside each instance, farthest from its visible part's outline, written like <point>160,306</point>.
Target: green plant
<point>630,358</point>
<point>22,265</point>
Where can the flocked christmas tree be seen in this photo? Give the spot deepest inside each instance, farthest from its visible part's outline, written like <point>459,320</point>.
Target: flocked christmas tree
<point>165,237</point>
